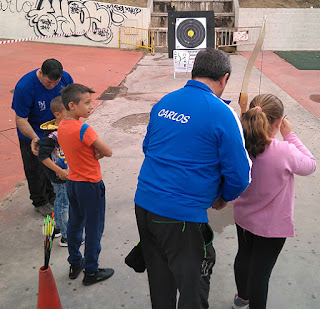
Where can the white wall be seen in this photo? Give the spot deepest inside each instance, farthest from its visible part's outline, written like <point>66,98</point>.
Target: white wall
<point>26,19</point>
<point>286,29</point>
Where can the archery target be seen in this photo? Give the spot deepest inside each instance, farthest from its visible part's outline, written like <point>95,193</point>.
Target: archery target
<point>191,33</point>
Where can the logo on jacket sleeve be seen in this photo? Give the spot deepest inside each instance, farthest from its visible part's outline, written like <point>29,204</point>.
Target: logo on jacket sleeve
<point>172,115</point>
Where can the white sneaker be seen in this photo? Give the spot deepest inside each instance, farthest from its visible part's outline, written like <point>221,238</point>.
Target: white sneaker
<point>63,242</point>
<point>57,233</point>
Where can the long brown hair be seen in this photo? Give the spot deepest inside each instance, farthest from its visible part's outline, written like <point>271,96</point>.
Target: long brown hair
<point>257,122</point>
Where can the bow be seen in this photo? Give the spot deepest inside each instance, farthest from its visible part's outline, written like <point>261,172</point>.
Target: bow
<point>243,98</point>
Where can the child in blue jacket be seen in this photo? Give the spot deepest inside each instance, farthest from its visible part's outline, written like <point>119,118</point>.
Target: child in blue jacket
<point>56,167</point>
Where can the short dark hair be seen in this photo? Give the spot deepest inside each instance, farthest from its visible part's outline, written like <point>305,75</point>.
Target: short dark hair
<point>211,63</point>
<point>56,105</point>
<point>52,68</point>
<point>73,93</point>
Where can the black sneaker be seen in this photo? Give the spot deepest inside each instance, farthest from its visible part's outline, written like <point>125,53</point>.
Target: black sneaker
<point>76,270</point>
<point>50,205</point>
<point>100,275</point>
<point>51,200</point>
<point>56,232</point>
<point>63,242</point>
<point>44,210</point>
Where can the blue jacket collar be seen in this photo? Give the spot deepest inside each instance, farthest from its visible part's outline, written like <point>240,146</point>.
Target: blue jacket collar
<point>195,83</point>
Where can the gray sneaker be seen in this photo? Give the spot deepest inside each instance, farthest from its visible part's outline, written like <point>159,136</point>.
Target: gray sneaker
<point>239,303</point>
<point>44,210</point>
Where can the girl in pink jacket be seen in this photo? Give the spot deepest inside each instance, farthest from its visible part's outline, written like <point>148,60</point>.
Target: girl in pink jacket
<point>264,212</point>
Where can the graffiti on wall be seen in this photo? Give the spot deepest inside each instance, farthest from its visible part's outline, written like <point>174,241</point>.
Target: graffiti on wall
<point>94,20</point>
<point>15,6</point>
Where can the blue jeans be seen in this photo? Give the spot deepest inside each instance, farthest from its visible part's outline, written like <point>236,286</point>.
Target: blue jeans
<point>61,207</point>
<point>87,210</point>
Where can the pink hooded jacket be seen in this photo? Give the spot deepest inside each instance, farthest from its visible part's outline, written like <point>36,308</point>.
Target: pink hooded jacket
<point>266,207</point>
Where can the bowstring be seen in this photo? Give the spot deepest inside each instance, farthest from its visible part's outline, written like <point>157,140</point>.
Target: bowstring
<point>261,68</point>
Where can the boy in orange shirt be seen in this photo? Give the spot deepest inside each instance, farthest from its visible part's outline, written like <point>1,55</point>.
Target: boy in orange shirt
<point>82,148</point>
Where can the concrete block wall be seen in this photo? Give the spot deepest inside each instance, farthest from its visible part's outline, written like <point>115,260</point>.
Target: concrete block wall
<point>286,29</point>
<point>20,19</point>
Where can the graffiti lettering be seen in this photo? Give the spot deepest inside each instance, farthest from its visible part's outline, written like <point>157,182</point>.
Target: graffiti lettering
<point>124,9</point>
<point>5,5</point>
<point>15,6</point>
<point>25,7</point>
<point>74,8</point>
<point>94,19</point>
<point>46,24</point>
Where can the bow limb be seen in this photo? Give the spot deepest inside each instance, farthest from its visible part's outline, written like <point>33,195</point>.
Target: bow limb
<point>243,99</point>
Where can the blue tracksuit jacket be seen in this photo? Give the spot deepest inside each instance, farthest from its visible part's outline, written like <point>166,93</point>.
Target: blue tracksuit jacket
<point>194,152</point>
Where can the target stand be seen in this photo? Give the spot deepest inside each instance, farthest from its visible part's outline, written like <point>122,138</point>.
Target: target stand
<point>183,61</point>
<point>190,30</point>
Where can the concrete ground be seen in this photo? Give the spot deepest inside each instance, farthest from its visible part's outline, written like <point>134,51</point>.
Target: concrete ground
<point>122,124</point>
<point>99,68</point>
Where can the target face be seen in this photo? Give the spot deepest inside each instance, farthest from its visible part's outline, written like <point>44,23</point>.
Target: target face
<point>191,33</point>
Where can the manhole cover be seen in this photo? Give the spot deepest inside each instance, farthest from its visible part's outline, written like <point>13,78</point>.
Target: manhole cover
<point>315,98</point>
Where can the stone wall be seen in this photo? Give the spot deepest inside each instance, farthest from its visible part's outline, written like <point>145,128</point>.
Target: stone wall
<point>286,29</point>
<point>79,22</point>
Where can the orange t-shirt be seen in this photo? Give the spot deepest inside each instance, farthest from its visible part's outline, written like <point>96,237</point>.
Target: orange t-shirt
<point>76,138</point>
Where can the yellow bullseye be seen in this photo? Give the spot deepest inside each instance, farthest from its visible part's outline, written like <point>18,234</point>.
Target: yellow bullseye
<point>190,33</point>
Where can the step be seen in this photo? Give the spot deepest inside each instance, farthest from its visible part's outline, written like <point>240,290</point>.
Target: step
<point>161,29</point>
<point>160,49</point>
<point>155,1</point>
<point>166,1</point>
<point>169,5</point>
<point>215,14</point>
<point>160,20</point>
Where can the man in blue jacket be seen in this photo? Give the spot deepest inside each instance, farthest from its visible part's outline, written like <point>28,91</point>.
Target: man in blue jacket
<point>195,159</point>
<point>31,103</point>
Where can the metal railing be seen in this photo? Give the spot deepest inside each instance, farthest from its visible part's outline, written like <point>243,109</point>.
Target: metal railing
<point>224,37</point>
<point>134,36</point>
<point>161,38</point>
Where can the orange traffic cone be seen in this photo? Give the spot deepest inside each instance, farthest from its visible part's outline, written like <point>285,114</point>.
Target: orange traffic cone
<point>48,297</point>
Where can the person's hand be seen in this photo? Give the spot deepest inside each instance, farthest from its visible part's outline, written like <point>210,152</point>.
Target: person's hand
<point>219,203</point>
<point>97,154</point>
<point>285,127</point>
<point>63,174</point>
<point>35,146</point>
